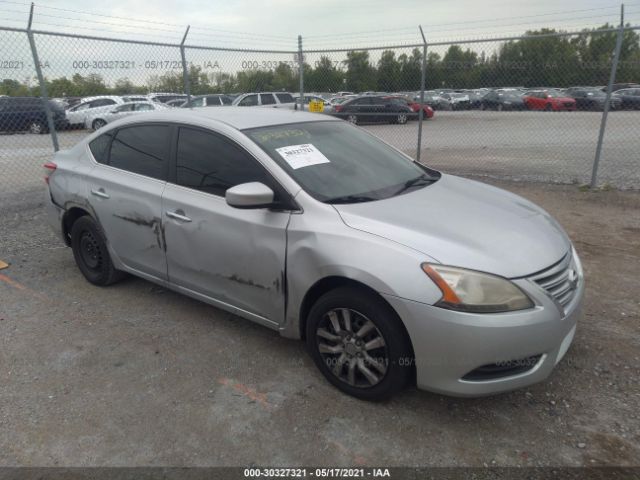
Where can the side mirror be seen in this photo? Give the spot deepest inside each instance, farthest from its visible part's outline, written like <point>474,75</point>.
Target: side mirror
<point>249,195</point>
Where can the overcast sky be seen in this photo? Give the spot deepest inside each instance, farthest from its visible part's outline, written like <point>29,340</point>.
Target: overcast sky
<point>323,23</point>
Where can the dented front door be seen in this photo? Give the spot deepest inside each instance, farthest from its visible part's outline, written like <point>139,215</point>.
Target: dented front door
<point>235,257</point>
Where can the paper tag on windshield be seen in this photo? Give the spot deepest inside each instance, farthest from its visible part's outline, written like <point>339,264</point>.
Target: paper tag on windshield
<point>305,155</point>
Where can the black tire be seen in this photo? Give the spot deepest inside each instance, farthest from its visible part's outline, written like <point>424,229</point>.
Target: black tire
<point>363,307</point>
<point>548,108</point>
<point>91,254</point>
<point>37,127</point>
<point>98,123</point>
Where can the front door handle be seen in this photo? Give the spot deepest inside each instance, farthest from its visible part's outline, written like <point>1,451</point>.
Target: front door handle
<point>100,193</point>
<point>178,215</point>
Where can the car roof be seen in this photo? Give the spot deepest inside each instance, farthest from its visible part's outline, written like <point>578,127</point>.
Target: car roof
<point>239,118</point>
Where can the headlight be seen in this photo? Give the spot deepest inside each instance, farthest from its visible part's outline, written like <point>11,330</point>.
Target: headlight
<point>477,292</point>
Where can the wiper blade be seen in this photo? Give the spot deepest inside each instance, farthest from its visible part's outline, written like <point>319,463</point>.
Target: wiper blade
<point>350,199</point>
<point>422,179</point>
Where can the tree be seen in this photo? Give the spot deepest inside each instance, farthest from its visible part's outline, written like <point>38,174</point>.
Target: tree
<point>388,72</point>
<point>361,75</point>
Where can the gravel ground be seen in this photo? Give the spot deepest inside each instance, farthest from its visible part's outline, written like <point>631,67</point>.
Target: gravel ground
<point>137,375</point>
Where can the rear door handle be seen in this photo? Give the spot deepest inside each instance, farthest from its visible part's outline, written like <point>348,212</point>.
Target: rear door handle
<point>100,193</point>
<point>178,215</point>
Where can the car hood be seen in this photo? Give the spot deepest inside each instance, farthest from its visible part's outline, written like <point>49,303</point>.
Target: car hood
<point>468,224</point>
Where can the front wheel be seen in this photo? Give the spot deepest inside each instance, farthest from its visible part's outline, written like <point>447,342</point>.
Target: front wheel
<point>402,118</point>
<point>359,344</point>
<point>351,118</point>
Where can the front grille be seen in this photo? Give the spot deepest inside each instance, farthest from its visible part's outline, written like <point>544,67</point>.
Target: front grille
<point>509,368</point>
<point>560,281</point>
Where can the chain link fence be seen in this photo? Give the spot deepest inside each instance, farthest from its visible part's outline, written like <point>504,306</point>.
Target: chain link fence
<point>530,108</point>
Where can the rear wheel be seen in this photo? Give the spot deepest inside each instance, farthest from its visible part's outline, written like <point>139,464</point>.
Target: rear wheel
<point>548,107</point>
<point>358,343</point>
<point>37,127</point>
<point>351,118</point>
<point>500,107</point>
<point>91,254</point>
<point>98,123</point>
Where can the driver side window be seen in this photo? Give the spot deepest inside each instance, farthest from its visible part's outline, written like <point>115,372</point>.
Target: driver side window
<point>212,164</point>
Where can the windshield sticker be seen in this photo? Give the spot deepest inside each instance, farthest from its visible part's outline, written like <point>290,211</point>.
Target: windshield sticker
<point>305,155</point>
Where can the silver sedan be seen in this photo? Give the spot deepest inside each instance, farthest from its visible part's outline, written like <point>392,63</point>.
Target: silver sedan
<point>391,272</point>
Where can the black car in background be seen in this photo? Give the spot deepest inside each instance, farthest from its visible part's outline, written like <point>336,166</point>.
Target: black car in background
<point>629,97</point>
<point>619,86</point>
<point>502,101</point>
<point>592,98</point>
<point>371,108</point>
<point>18,114</point>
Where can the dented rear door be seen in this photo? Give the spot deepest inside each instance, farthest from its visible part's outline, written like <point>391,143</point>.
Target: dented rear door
<point>125,193</point>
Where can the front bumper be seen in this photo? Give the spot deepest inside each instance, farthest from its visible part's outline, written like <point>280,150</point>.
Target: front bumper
<point>448,345</point>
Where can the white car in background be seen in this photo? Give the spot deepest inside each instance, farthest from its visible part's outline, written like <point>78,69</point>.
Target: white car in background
<point>100,119</point>
<point>90,107</point>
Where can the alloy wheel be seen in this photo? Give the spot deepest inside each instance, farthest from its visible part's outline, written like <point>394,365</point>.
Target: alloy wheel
<point>352,347</point>
<point>402,118</point>
<point>352,119</point>
<point>35,127</point>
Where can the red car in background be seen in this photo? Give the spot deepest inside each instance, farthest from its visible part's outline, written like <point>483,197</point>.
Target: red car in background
<point>427,111</point>
<point>549,100</point>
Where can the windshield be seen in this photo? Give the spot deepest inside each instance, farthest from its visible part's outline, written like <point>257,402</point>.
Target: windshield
<point>338,163</point>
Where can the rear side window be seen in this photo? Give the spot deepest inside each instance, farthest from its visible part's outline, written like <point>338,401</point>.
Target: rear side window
<point>249,101</point>
<point>141,149</point>
<point>285,97</point>
<point>212,164</point>
<point>267,99</point>
<point>226,100</point>
<point>100,147</point>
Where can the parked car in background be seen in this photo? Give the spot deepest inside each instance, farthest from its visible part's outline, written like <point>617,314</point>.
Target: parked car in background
<point>344,94</point>
<point>310,98</point>
<point>166,97</point>
<point>459,101</point>
<point>592,98</point>
<point>215,100</point>
<point>19,114</point>
<point>549,100</point>
<point>98,120</point>
<point>77,116</point>
<point>175,103</point>
<point>629,98</point>
<point>619,86</point>
<point>265,99</point>
<point>370,108</point>
<point>475,98</point>
<point>391,272</point>
<point>427,111</point>
<point>435,101</point>
<point>499,100</point>
<point>135,98</point>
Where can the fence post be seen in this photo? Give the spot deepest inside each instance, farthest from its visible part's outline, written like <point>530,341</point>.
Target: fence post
<point>423,78</point>
<point>186,81</point>
<point>43,86</point>
<point>301,70</point>
<point>605,113</point>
